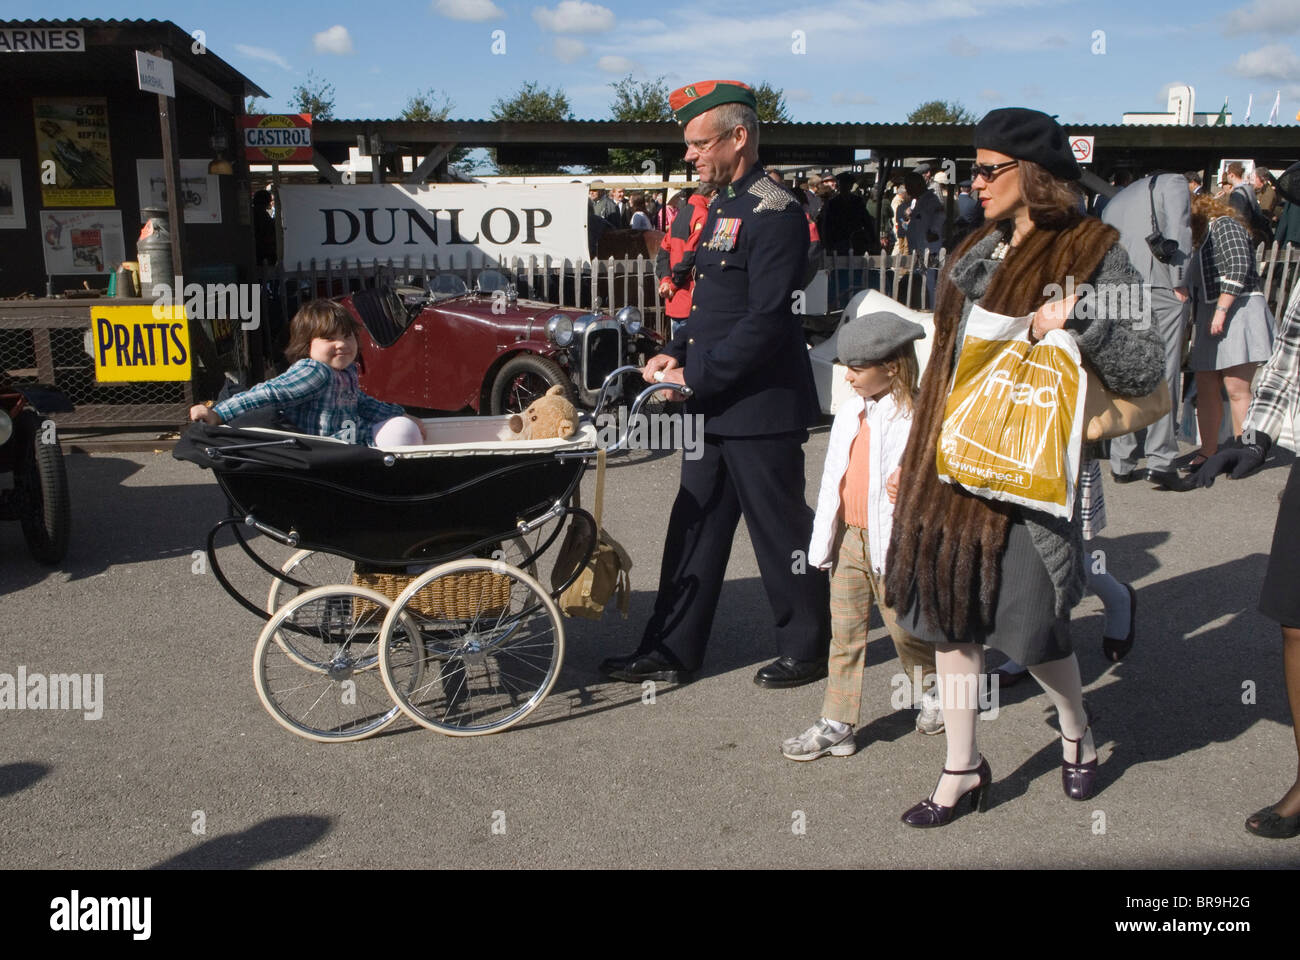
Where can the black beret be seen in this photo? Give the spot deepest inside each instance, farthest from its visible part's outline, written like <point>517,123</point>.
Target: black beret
<point>1028,135</point>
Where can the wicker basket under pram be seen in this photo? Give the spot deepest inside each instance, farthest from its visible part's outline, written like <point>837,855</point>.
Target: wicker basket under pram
<point>464,596</point>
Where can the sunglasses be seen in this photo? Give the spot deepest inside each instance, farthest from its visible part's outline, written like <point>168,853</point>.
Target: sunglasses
<point>990,170</point>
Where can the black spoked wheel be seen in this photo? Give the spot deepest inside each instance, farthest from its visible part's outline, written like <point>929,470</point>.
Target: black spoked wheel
<point>41,493</point>
<point>524,379</point>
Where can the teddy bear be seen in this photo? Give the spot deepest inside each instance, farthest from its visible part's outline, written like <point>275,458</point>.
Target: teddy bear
<point>550,415</point>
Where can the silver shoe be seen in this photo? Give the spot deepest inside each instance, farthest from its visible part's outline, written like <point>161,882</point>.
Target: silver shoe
<point>819,740</point>
<point>929,720</point>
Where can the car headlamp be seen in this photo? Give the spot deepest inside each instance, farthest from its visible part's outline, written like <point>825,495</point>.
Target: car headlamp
<point>630,318</point>
<point>560,330</point>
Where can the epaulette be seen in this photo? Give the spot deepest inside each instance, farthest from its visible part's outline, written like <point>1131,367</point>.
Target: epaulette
<point>770,196</point>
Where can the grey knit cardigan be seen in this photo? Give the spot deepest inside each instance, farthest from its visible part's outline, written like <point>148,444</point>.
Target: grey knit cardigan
<point>1126,353</point>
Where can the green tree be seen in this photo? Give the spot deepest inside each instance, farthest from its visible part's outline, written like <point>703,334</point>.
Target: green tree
<point>531,104</point>
<point>771,104</point>
<point>427,105</point>
<point>315,96</point>
<point>643,102</point>
<point>251,105</point>
<point>433,106</point>
<point>941,111</point>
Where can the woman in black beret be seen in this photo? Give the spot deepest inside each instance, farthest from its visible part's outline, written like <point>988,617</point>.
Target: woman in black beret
<point>970,572</point>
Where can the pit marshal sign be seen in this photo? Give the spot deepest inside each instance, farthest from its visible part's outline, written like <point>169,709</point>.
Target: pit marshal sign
<point>277,138</point>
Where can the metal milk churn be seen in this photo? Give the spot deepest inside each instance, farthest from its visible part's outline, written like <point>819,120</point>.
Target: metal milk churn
<point>154,250</point>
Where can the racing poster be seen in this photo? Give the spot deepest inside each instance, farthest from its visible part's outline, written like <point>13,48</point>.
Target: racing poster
<point>72,152</point>
<point>82,241</point>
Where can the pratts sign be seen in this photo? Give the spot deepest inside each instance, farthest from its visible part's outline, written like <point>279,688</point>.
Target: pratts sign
<point>391,221</point>
<point>277,138</point>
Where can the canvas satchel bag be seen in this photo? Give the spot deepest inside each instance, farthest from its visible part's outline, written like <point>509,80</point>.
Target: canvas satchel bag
<point>604,574</point>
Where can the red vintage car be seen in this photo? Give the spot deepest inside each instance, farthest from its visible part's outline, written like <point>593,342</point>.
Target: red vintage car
<point>488,351</point>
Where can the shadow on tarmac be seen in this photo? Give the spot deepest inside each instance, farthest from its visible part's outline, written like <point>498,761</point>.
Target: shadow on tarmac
<point>271,839</point>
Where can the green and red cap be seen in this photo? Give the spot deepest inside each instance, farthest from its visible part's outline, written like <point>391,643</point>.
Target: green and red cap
<point>690,101</point>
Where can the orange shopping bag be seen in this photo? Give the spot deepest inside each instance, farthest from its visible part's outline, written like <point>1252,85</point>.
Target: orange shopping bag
<point>1013,425</point>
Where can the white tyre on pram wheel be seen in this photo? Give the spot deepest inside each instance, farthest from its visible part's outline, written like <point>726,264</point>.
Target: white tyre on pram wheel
<point>315,568</point>
<point>490,648</point>
<point>323,684</point>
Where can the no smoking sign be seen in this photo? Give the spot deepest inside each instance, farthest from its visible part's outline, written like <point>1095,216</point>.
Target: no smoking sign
<point>1081,147</point>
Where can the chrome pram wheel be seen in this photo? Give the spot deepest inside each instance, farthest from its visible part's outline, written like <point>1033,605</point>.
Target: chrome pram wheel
<point>490,647</point>
<point>315,666</point>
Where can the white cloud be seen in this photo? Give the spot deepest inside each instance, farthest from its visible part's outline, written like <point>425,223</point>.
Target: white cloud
<point>959,46</point>
<point>575,16</point>
<point>1275,62</point>
<point>262,53</point>
<point>612,63</point>
<point>855,97</point>
<point>473,10</point>
<point>993,96</point>
<point>334,40</point>
<point>799,95</point>
<point>1265,16</point>
<point>569,49</point>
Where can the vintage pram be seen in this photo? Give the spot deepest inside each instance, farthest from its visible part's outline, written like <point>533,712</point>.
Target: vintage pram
<point>415,586</point>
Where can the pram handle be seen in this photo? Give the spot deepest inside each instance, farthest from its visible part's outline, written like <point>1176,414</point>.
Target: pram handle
<point>685,391</point>
<point>619,446</point>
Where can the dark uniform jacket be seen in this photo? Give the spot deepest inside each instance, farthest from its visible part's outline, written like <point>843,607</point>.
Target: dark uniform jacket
<point>742,347</point>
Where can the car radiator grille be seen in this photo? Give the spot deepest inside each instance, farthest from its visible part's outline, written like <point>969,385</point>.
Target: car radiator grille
<point>604,354</point>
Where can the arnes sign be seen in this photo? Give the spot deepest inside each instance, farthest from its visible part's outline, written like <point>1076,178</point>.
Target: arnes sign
<point>369,222</point>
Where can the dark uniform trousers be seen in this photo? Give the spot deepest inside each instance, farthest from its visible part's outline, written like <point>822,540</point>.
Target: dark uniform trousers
<point>762,478</point>
<point>742,352</point>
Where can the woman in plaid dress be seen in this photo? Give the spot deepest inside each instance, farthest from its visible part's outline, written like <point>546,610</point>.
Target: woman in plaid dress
<point>1232,322</point>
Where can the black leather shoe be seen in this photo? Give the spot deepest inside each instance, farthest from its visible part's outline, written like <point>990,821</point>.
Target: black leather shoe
<point>1170,480</point>
<point>927,813</point>
<point>789,672</point>
<point>1131,477</point>
<point>618,663</point>
<point>1079,780</point>
<point>649,666</point>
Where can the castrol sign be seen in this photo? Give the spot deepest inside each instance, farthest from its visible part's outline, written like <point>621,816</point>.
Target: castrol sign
<point>277,138</point>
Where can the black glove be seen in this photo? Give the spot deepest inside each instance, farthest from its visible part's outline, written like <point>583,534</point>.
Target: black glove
<point>1241,458</point>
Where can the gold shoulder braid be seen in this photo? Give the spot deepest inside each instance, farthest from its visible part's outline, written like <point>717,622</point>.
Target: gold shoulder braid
<point>947,544</point>
<point>771,197</point>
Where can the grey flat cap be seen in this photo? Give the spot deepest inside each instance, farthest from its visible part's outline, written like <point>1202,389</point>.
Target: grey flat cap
<point>874,337</point>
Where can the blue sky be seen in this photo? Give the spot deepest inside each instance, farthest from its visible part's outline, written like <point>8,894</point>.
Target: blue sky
<point>863,60</point>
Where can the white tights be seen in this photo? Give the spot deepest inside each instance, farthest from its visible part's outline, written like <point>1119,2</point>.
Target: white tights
<point>398,432</point>
<point>954,662</point>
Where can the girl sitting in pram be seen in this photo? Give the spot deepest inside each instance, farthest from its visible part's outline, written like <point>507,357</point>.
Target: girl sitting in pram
<point>319,393</point>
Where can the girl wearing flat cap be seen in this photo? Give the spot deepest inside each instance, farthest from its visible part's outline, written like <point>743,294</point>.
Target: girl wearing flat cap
<point>965,572</point>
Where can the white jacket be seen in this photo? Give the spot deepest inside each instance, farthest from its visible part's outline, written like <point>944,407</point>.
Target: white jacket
<point>890,426</point>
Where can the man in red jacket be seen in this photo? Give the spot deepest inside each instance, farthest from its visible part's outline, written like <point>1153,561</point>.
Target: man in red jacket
<point>675,265</point>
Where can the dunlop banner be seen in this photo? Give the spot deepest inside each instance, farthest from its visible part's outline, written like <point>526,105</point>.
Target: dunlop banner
<point>370,222</point>
<point>1013,425</point>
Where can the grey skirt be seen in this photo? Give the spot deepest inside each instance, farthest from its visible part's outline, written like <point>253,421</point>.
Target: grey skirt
<point>1025,625</point>
<point>1247,338</point>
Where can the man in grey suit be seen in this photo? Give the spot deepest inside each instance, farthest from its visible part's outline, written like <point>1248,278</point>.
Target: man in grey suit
<point>1130,212</point>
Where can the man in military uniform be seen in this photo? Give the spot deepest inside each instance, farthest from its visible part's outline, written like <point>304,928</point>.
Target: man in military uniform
<point>742,353</point>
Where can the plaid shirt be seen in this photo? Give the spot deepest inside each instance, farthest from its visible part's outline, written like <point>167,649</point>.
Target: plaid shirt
<point>1226,261</point>
<point>318,399</point>
<point>1277,395</point>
